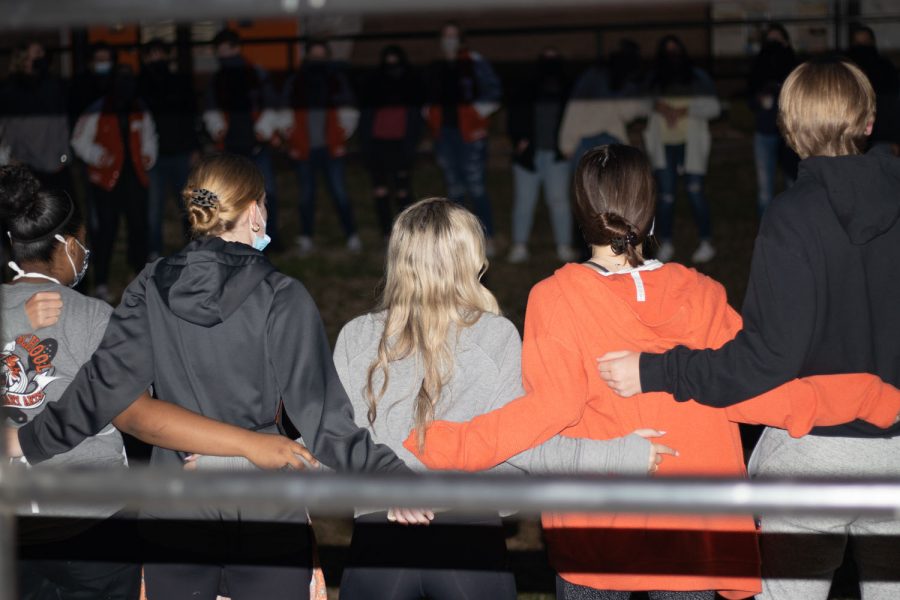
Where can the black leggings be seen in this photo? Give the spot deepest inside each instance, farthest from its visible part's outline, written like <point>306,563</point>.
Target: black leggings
<point>128,198</point>
<point>241,560</point>
<point>391,168</point>
<point>452,559</point>
<point>570,591</point>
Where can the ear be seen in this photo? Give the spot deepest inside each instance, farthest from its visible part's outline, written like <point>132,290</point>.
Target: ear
<point>869,127</point>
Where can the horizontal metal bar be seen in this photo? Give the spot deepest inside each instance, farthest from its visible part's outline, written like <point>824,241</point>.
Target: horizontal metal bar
<point>34,14</point>
<point>338,493</point>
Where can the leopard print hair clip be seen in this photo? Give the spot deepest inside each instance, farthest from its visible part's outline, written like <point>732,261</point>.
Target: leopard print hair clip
<point>203,197</point>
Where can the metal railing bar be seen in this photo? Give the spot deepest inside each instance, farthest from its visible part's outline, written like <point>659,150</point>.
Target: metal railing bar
<point>339,493</point>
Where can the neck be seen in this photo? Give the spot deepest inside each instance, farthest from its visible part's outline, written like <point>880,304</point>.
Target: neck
<point>241,237</point>
<point>603,255</point>
<point>46,269</point>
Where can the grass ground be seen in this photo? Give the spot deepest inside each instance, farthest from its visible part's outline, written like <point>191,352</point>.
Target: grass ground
<point>345,285</point>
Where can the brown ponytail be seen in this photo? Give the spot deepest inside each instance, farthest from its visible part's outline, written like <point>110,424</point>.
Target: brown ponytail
<point>615,199</point>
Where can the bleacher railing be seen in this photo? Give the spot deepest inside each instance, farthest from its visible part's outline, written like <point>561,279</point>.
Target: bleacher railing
<point>334,493</point>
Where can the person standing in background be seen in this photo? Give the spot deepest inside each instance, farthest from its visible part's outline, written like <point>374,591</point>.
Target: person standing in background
<point>602,103</point>
<point>534,113</point>
<point>678,142</point>
<point>883,76</point>
<point>240,114</point>
<point>319,118</point>
<point>94,83</point>
<point>775,61</point>
<point>463,92</point>
<point>34,127</point>
<point>389,130</point>
<point>116,138</point>
<point>170,99</point>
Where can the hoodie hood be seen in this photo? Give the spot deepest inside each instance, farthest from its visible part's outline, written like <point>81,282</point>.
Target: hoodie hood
<point>863,191</point>
<point>652,308</point>
<point>210,279</point>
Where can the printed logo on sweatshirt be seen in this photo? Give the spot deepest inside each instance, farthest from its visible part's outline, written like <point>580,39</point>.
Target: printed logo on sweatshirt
<point>27,369</point>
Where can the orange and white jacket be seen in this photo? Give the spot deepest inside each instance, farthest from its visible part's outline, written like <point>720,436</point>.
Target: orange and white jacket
<point>97,140</point>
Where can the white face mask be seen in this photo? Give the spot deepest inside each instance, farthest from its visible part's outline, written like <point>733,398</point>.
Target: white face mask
<point>450,46</point>
<point>79,273</point>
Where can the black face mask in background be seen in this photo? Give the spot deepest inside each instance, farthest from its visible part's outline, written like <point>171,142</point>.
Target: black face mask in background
<point>230,62</point>
<point>40,67</point>
<point>395,71</point>
<point>123,90</point>
<point>158,68</point>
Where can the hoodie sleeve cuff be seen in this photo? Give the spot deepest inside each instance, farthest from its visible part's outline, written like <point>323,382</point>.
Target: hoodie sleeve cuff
<point>31,449</point>
<point>653,373</point>
<point>635,457</point>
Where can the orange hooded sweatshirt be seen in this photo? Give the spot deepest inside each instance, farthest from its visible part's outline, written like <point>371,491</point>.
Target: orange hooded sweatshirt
<point>577,315</point>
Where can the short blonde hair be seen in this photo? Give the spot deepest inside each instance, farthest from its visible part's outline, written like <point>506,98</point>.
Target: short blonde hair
<point>825,108</point>
<point>236,183</point>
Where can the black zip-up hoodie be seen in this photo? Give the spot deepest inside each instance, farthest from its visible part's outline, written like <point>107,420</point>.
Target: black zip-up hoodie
<point>823,293</point>
<point>217,330</point>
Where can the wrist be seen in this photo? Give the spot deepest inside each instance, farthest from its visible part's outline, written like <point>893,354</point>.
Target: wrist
<point>652,372</point>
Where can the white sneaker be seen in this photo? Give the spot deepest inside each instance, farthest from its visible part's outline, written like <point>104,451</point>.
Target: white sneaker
<point>490,250</point>
<point>517,254</point>
<point>566,254</point>
<point>665,252</point>
<point>704,253</point>
<point>305,245</point>
<point>354,244</point>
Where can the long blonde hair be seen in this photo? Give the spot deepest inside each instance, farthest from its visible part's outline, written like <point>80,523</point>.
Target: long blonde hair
<point>435,261</point>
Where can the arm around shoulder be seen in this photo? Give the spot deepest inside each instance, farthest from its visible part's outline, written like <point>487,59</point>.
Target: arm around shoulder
<point>312,392</point>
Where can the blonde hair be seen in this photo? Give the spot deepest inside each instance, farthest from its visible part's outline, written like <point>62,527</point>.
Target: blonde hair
<point>435,261</point>
<point>236,183</point>
<point>825,108</point>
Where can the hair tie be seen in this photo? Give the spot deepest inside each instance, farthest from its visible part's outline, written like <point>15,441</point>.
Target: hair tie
<point>621,242</point>
<point>203,197</point>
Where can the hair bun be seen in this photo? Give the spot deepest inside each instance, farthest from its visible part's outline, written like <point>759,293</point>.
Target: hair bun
<point>18,190</point>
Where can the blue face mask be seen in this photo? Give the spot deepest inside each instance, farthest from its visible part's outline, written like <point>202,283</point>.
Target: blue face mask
<point>260,243</point>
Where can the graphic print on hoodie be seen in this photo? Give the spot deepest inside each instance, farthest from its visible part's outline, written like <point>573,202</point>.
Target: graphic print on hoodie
<point>27,368</point>
<point>36,366</point>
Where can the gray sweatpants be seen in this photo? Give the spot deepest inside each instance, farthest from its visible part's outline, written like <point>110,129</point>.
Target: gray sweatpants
<point>801,554</point>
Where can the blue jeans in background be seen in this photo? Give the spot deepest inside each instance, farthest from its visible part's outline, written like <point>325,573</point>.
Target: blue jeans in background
<point>169,174</point>
<point>666,181</point>
<point>464,166</point>
<point>333,170</point>
<point>554,175</point>
<point>588,143</point>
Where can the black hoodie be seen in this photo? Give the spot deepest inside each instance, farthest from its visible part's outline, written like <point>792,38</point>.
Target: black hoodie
<point>216,330</point>
<point>822,297</point>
